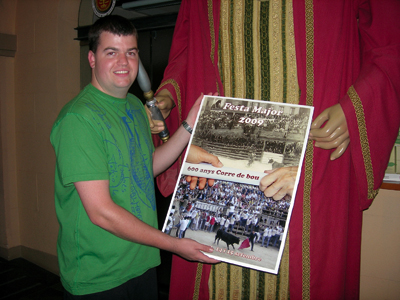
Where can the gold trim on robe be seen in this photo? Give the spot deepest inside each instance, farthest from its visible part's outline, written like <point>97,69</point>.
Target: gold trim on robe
<point>306,261</point>
<point>359,109</point>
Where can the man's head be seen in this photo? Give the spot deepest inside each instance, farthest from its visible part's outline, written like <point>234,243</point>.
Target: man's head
<point>114,24</point>
<point>113,55</point>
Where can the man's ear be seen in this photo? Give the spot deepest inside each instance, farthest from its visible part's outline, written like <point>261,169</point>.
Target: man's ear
<point>92,59</point>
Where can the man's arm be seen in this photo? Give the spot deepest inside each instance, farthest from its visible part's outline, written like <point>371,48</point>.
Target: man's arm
<point>104,213</point>
<point>166,154</point>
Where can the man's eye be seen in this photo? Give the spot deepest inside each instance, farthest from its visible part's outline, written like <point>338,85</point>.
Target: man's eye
<point>111,53</point>
<point>132,53</point>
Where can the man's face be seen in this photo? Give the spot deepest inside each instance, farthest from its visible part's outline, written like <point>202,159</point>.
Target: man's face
<point>115,64</point>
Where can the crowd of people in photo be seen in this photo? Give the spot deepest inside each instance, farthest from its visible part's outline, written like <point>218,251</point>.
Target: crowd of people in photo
<point>220,133</point>
<point>272,125</point>
<point>237,208</point>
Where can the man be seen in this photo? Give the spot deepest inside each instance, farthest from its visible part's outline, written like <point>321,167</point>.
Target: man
<point>252,237</point>
<point>184,224</point>
<point>342,57</point>
<point>266,234</point>
<point>104,191</point>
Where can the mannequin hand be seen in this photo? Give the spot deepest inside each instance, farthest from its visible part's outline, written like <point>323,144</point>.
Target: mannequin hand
<point>334,134</point>
<point>165,102</point>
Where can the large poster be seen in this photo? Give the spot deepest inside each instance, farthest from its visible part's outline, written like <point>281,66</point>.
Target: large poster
<point>252,139</point>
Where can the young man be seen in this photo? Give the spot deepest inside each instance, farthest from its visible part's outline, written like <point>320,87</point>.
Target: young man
<point>104,187</point>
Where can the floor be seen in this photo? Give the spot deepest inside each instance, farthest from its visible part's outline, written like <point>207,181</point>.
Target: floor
<point>23,280</point>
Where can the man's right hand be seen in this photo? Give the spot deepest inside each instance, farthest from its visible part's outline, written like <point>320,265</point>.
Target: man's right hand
<point>192,251</point>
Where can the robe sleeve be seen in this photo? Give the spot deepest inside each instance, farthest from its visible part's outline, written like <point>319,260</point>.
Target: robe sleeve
<point>372,103</point>
<point>192,69</point>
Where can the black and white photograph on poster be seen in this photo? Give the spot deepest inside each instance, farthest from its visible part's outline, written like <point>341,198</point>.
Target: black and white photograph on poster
<point>223,205</point>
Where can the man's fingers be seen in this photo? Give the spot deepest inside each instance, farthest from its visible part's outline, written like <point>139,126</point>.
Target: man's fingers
<point>202,182</point>
<point>193,182</point>
<point>151,123</point>
<point>211,182</point>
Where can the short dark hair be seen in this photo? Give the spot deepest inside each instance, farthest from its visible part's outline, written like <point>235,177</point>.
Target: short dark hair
<point>112,23</point>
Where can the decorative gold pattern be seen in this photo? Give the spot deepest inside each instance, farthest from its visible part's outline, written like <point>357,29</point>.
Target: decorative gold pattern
<point>362,128</point>
<point>212,35</point>
<point>237,22</point>
<point>236,282</point>
<point>211,26</point>
<point>275,51</point>
<point>197,281</point>
<point>248,49</point>
<point>253,284</point>
<point>293,95</point>
<point>284,272</point>
<point>256,50</point>
<point>306,261</point>
<point>224,33</point>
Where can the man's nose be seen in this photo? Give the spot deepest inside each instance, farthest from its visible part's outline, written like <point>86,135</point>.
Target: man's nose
<point>122,60</point>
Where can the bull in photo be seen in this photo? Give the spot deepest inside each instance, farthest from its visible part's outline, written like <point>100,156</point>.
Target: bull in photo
<point>228,238</point>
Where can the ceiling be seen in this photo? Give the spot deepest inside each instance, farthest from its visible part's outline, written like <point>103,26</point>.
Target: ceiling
<point>146,8</point>
<point>147,14</point>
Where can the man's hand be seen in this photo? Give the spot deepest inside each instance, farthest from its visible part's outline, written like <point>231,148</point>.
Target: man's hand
<point>156,126</point>
<point>279,182</point>
<point>192,115</point>
<point>105,213</point>
<point>198,155</point>
<point>334,134</point>
<point>192,251</point>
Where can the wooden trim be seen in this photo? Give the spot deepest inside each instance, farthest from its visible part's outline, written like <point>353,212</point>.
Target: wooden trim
<point>390,186</point>
<point>44,260</point>
<point>8,44</point>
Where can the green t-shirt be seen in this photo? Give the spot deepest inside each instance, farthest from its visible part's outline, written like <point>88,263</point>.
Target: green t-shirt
<point>99,137</point>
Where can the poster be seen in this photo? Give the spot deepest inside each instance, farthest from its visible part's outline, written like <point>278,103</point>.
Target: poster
<point>252,139</point>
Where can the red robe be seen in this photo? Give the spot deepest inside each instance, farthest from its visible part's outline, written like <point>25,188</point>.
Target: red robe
<point>350,55</point>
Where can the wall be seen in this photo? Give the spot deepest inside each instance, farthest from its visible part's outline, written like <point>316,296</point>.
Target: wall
<point>9,213</point>
<point>46,76</point>
<point>380,251</point>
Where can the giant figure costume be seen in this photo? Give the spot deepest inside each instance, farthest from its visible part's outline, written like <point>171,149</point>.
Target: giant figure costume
<point>317,53</point>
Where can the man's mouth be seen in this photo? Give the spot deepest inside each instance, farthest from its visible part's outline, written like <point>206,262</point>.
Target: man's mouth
<point>121,72</point>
